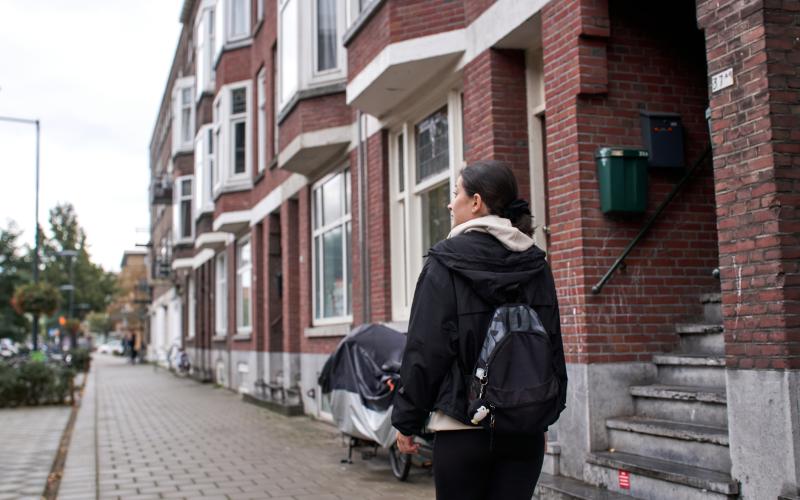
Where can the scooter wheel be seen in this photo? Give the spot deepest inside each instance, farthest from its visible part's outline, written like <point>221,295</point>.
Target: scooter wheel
<point>400,462</point>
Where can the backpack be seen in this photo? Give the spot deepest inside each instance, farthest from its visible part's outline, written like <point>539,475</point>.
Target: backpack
<point>514,388</point>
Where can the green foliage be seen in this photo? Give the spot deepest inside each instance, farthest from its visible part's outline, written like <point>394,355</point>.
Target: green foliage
<point>36,298</point>
<point>81,358</point>
<point>35,382</point>
<point>100,322</point>
<point>15,269</point>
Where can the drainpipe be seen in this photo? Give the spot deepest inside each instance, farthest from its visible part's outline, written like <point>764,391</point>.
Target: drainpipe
<point>362,219</point>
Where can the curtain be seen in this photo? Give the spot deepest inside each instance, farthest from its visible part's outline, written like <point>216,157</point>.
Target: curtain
<point>326,34</point>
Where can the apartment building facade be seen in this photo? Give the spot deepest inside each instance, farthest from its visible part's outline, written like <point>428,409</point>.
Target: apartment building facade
<point>305,152</point>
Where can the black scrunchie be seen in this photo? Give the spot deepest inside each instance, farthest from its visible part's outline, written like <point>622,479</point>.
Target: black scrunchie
<point>516,208</point>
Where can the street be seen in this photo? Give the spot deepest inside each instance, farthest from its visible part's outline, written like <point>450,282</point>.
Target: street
<point>154,435</point>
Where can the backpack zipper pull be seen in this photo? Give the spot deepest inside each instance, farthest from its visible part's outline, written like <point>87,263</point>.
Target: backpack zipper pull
<point>491,428</point>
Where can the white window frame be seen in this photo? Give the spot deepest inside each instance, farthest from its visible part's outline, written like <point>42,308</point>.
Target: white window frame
<point>230,36</point>
<point>342,222</point>
<point>259,10</point>
<point>179,143</point>
<point>302,33</point>
<point>261,91</point>
<point>177,213</point>
<point>191,307</point>
<point>224,147</point>
<point>204,48</point>
<point>244,267</point>
<point>406,207</point>
<point>221,294</point>
<point>203,171</point>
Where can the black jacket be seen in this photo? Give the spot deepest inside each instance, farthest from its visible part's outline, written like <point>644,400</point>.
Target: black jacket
<point>463,280</point>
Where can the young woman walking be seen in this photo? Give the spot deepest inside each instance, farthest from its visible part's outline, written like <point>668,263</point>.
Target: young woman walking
<point>488,259</point>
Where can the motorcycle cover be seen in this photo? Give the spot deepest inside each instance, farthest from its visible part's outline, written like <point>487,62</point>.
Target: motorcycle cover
<point>355,376</point>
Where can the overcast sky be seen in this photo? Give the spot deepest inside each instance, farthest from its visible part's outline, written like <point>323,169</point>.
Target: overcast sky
<point>93,72</point>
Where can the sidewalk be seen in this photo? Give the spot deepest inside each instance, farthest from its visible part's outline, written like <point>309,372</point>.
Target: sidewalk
<point>29,439</point>
<point>154,435</point>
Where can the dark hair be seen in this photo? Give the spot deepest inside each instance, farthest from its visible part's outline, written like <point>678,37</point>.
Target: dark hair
<point>496,184</point>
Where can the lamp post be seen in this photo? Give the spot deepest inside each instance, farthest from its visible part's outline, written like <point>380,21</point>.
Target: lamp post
<point>35,333</point>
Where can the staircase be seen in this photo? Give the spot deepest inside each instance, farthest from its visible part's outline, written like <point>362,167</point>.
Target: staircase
<point>675,446</point>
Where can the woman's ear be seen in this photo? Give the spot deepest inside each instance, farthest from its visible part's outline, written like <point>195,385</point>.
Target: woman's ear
<point>477,203</point>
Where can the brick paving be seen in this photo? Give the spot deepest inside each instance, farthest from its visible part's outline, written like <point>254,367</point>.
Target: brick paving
<point>154,435</point>
<point>29,439</point>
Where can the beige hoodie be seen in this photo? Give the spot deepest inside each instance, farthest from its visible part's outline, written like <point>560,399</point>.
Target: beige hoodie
<point>514,240</point>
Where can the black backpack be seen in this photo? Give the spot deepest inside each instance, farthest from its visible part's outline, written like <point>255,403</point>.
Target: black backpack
<point>514,388</point>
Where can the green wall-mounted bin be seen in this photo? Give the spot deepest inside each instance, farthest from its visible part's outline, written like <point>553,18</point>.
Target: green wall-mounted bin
<point>622,176</point>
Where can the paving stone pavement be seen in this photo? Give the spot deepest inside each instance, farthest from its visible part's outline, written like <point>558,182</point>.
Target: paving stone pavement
<point>160,436</point>
<point>29,439</point>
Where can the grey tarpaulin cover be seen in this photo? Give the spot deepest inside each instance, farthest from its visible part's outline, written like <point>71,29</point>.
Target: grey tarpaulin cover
<point>355,376</point>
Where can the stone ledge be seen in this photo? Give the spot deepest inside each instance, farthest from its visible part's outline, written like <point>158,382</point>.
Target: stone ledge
<point>670,429</point>
<point>680,393</point>
<point>289,410</point>
<point>689,360</point>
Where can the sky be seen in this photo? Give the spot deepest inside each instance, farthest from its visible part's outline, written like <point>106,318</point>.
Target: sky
<point>93,72</point>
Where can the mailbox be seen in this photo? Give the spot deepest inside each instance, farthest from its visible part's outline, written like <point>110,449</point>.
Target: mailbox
<point>662,135</point>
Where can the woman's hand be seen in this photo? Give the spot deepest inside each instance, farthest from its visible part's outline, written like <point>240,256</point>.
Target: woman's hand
<point>406,444</point>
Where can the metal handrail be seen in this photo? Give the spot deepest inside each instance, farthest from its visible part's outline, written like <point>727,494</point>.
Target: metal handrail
<point>621,259</point>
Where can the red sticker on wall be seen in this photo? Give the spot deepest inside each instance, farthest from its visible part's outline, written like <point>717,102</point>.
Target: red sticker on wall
<point>624,480</point>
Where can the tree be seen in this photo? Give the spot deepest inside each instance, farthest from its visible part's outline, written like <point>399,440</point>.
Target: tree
<point>15,268</point>
<point>93,285</point>
<point>101,323</point>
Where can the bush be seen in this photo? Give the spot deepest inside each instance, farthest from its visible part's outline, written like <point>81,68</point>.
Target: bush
<point>26,381</point>
<point>81,358</point>
<point>36,298</point>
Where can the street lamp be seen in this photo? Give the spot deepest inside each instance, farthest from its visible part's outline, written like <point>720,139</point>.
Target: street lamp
<point>35,333</point>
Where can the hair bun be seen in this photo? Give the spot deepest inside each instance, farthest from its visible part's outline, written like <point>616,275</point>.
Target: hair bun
<point>516,208</point>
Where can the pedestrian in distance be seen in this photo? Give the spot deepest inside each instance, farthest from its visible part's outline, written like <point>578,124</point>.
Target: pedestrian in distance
<point>460,331</point>
<point>135,345</point>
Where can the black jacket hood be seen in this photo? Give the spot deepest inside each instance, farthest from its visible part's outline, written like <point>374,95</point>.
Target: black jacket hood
<point>495,273</point>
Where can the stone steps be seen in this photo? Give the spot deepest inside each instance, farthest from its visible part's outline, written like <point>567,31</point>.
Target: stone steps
<point>692,404</point>
<point>552,487</point>
<point>691,369</point>
<point>681,442</point>
<point>701,338</point>
<point>655,478</point>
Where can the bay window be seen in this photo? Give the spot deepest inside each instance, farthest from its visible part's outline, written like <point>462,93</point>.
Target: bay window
<point>232,21</point>
<point>239,19</point>
<point>331,255</point>
<point>262,120</point>
<point>244,289</point>
<point>204,48</point>
<point>221,294</point>
<point>183,115</point>
<point>311,52</point>
<point>192,308</point>
<point>204,171</point>
<point>232,136</point>
<point>182,211</point>
<point>425,157</point>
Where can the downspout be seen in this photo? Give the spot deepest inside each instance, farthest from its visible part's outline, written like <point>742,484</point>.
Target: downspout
<point>362,219</point>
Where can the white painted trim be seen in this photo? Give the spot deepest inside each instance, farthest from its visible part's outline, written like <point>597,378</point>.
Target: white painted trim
<point>202,257</point>
<point>317,138</point>
<point>338,329</point>
<point>182,263</point>
<point>237,217</point>
<point>213,238</point>
<point>415,49</point>
<point>276,197</point>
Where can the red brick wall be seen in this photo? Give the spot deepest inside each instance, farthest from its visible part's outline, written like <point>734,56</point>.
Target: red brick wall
<point>314,114</point>
<point>233,66</point>
<point>596,81</point>
<point>399,20</point>
<point>495,121</point>
<point>290,241</point>
<point>474,8</point>
<point>755,126</point>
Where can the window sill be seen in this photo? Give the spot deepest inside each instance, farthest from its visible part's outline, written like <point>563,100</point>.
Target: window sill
<point>242,336</point>
<point>334,330</point>
<point>233,186</point>
<point>185,150</point>
<point>363,18</point>
<point>219,337</point>
<point>232,45</point>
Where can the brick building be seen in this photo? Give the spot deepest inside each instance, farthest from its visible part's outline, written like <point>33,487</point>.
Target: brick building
<point>303,157</point>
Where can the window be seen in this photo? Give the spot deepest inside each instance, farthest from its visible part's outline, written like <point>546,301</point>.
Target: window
<point>183,215</point>
<point>275,99</point>
<point>259,10</point>
<point>332,235</point>
<point>192,298</point>
<point>425,156</point>
<point>204,171</point>
<point>183,115</point>
<point>244,271</point>
<point>310,50</point>
<point>221,295</point>
<point>204,48</point>
<point>239,19</point>
<point>326,35</point>
<point>262,119</point>
<point>232,135</point>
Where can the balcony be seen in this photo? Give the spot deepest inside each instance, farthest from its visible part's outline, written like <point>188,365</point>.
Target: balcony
<point>161,191</point>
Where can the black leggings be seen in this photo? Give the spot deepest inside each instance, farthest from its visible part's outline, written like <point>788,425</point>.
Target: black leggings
<point>467,465</point>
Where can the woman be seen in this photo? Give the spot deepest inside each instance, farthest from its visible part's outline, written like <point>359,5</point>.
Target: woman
<point>487,260</point>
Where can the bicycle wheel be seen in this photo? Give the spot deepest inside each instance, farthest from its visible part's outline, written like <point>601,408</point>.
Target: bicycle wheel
<point>400,462</point>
